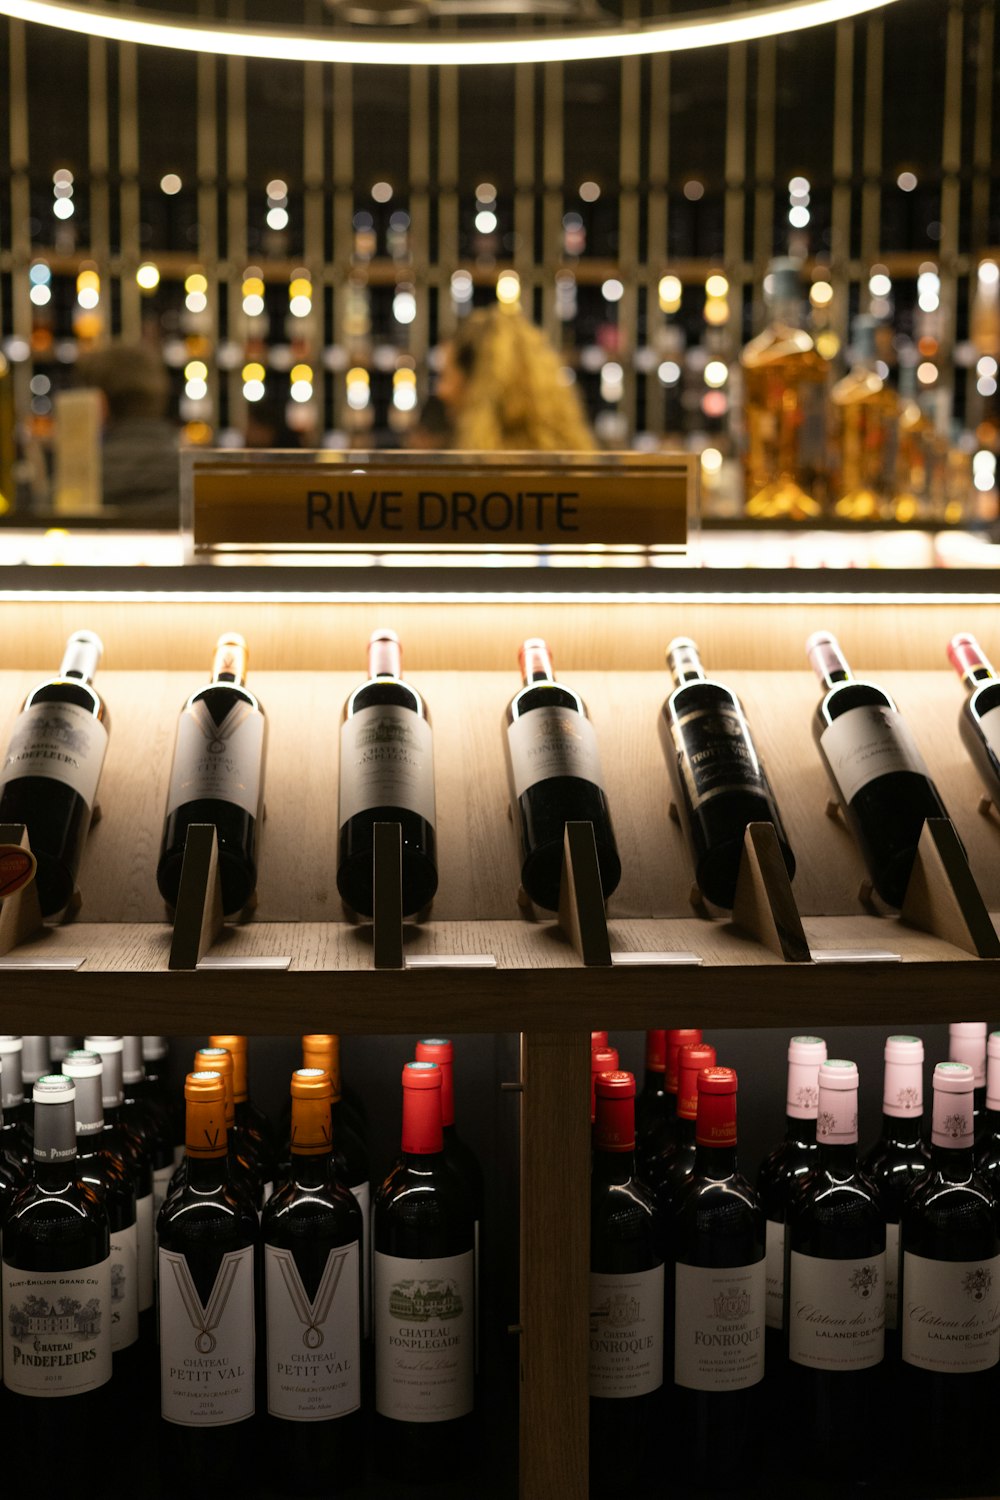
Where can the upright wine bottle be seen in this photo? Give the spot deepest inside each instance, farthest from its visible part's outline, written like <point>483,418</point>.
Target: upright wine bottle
<point>626,1301</point>
<point>835,1289</point>
<point>718,781</point>
<point>145,1117</point>
<point>50,773</point>
<point>34,1060</point>
<point>598,1039</point>
<point>15,1133</point>
<point>59,1046</point>
<point>950,1296</point>
<point>988,1149</point>
<point>967,1043</point>
<point>602,1060</point>
<point>156,1058</point>
<point>322,1049</point>
<point>667,1173</point>
<point>652,1103</point>
<point>661,1138</point>
<point>423,1290</point>
<point>13,1171</point>
<point>716,1247</point>
<point>312,1234</point>
<point>554,775</point>
<point>217,776</point>
<point>898,1158</point>
<point>875,769</point>
<point>978,723</point>
<point>245,1172</point>
<point>206,1239</point>
<point>251,1128</point>
<point>386,776</point>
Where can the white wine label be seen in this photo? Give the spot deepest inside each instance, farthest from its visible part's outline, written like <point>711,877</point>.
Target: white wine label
<point>124,1287</point>
<point>719,1326</point>
<point>59,740</point>
<point>892,1275</point>
<point>836,1312</point>
<point>950,1314</point>
<point>363,1197</point>
<point>146,1249</point>
<point>424,1337</point>
<point>161,1181</point>
<point>866,743</point>
<point>313,1344</point>
<point>989,726</point>
<point>386,760</point>
<point>626,1333</point>
<point>221,761</point>
<point>56,1330</point>
<point>207,1349</point>
<point>549,742</point>
<point>775,1262</point>
<point>716,754</point>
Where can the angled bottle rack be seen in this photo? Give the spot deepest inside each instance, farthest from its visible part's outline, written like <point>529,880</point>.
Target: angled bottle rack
<point>20,913</point>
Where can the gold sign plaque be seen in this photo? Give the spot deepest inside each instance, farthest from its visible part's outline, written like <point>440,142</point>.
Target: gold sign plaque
<point>372,502</point>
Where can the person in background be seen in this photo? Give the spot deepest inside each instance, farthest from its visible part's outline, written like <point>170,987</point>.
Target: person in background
<point>267,425</point>
<point>139,454</point>
<point>432,430</point>
<point>502,385</point>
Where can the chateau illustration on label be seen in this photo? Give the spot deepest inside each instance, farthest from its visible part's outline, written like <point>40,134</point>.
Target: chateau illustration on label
<point>976,1284</point>
<point>618,1310</point>
<point>117,1281</point>
<point>734,1302</point>
<point>37,1317</point>
<point>418,1301</point>
<point>864,1280</point>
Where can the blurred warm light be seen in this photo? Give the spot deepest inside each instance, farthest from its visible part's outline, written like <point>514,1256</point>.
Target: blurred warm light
<point>986,366</point>
<point>252,372</point>
<point>196,282</point>
<point>879,282</point>
<point>253,305</point>
<point>669,372</point>
<point>170,184</point>
<point>404,307</point>
<point>670,291</point>
<point>508,288</point>
<point>63,208</point>
<point>711,460</point>
<point>928,347</point>
<point>821,294</point>
<point>382,192</point>
<point>277,218</point>
<point>277,190</point>
<point>461,286</point>
<point>486,221</point>
<point>988,272</point>
<point>694,190</point>
<point>927,373</point>
<point>716,286</point>
<point>486,193</point>
<point>148,277</point>
<point>827,344</point>
<point>253,390</point>
<point>906,182</point>
<point>716,311</point>
<point>612,290</point>
<point>196,369</point>
<point>716,373</point>
<point>589,192</point>
<point>798,216</point>
<point>198,434</point>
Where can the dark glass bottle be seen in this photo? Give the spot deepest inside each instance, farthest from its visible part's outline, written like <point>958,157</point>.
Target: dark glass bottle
<point>35,1062</point>
<point>666,1173</point>
<point>554,776</point>
<point>147,1117</point>
<point>978,724</point>
<point>967,1043</point>
<point>875,769</point>
<point>206,1246</point>
<point>323,1050</point>
<point>50,773</point>
<point>13,1170</point>
<point>988,1149</point>
<point>835,1280</point>
<point>156,1060</point>
<point>718,782</point>
<point>662,1136</point>
<point>16,1130</point>
<point>313,1239</point>
<point>252,1129</point>
<point>245,1180</point>
<point>950,1297</point>
<point>424,1234</point>
<point>626,1272</point>
<point>717,1304</point>
<point>58,1048</point>
<point>602,1060</point>
<point>386,776</point>
<point>217,776</point>
<point>653,1104</point>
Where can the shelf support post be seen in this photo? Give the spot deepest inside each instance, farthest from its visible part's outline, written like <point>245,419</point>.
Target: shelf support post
<point>764,904</point>
<point>387,904</point>
<point>942,897</point>
<point>581,896</point>
<point>198,914</point>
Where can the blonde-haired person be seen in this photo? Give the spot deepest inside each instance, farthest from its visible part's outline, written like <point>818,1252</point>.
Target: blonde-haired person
<point>501,384</point>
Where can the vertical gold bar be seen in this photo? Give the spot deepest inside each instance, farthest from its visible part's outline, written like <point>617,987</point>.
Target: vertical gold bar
<point>524,172</point>
<point>736,172</point>
<point>236,207</point>
<point>207,155</point>
<point>420,198</point>
<point>657,222</point>
<point>20,206</point>
<point>763,212</point>
<point>951,166</point>
<point>128,173</point>
<point>871,156</point>
<point>447,195</point>
<point>982,145</point>
<point>840,235</point>
<point>629,152</point>
<point>98,157</point>
<point>313,173</point>
<point>342,158</point>
<point>553,175</point>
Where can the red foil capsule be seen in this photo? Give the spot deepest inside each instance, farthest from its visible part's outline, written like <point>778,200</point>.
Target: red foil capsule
<point>691,1060</point>
<point>675,1041</point>
<point>614,1129</point>
<point>656,1051</point>
<point>716,1118</point>
<point>422,1133</point>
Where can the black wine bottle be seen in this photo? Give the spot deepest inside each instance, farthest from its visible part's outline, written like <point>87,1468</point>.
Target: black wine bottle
<point>718,781</point>
<point>950,1296</point>
<point>13,1170</point>
<point>217,776</point>
<point>661,1137</point>
<point>50,773</point>
<point>16,1131</point>
<point>423,1290</point>
<point>978,723</point>
<point>554,776</point>
<point>386,776</point>
<point>246,1178</point>
<point>667,1172</point>
<point>626,1301</point>
<point>206,1239</point>
<point>967,1043</point>
<point>988,1149</point>
<point>35,1061</point>
<point>156,1061</point>
<point>875,769</point>
<point>145,1116</point>
<point>313,1239</point>
<point>252,1129</point>
<point>653,1104</point>
<point>717,1301</point>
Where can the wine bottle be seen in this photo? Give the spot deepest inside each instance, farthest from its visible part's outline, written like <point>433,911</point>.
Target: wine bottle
<point>626,1301</point>
<point>717,1300</point>
<point>59,1046</point>
<point>156,1058</point>
<point>967,1043</point>
<point>251,1129</point>
<point>423,1295</point>
<point>950,1295</point>
<point>598,1039</point>
<point>653,1104</point>
<point>217,776</point>
<point>898,1158</point>
<point>15,1132</point>
<point>602,1060</point>
<point>323,1050</point>
<point>668,1172</point>
<point>245,1178</point>
<point>386,776</point>
<point>661,1138</point>
<point>718,781</point>
<point>147,1118</point>
<point>206,1239</point>
<point>34,1060</point>
<point>835,1288</point>
<point>313,1238</point>
<point>50,773</point>
<point>875,769</point>
<point>554,775</point>
<point>782,1170</point>
<point>13,1171</point>
<point>988,1149</point>
<point>978,724</point>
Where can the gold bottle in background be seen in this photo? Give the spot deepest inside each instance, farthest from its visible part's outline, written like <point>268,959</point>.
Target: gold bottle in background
<point>785,379</point>
<point>865,412</point>
<point>914,452</point>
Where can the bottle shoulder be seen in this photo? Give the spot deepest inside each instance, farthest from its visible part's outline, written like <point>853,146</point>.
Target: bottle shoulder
<point>220,698</point>
<point>544,695</point>
<point>72,691</point>
<point>385,692</point>
<point>324,1213</point>
<point>844,696</point>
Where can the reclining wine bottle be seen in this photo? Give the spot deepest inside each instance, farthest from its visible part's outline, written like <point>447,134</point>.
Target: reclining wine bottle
<point>978,721</point>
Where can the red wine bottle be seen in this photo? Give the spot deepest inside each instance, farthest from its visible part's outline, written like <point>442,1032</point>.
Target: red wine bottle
<point>598,1039</point>
<point>967,1043</point>
<point>386,776</point>
<point>875,769</point>
<point>988,1149</point>
<point>13,1171</point>
<point>313,1240</point>
<point>667,1172</point>
<point>245,1178</point>
<point>15,1133</point>
<point>626,1301</point>
<point>50,773</point>
<point>950,1296</point>
<point>602,1060</point>
<point>251,1128</point>
<point>978,724</point>
<point>718,781</point>
<point>662,1136</point>
<point>653,1104</point>
<point>717,1300</point>
<point>147,1117</point>
<point>217,776</point>
<point>554,774</point>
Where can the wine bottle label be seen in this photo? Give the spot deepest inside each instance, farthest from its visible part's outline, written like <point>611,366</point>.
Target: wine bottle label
<point>386,760</point>
<point>868,742</point>
<point>719,1326</point>
<point>56,1330</point>
<point>124,1287</point>
<point>892,1275</point>
<point>363,1198</point>
<point>207,1349</point>
<point>626,1333</point>
<point>59,740</point>
<point>836,1312</point>
<point>223,762</point>
<point>161,1181</point>
<point>775,1263</point>
<point>146,1242</point>
<point>423,1337</point>
<point>313,1342</point>
<point>552,742</point>
<point>716,754</point>
<point>950,1314</point>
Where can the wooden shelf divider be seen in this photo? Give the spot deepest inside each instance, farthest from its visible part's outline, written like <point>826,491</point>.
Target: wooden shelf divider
<point>20,912</point>
<point>387,905</point>
<point>942,897</point>
<point>198,915</point>
<point>581,897</point>
<point>764,904</point>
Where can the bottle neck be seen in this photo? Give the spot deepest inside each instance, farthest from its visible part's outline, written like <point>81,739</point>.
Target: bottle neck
<point>715,1162</point>
<point>311,1170</point>
<point>422,1134</point>
<point>205,1173</point>
<point>613,1166</point>
<point>969,660</point>
<point>801,1131</point>
<point>81,658</point>
<point>88,1143</point>
<point>229,663</point>
<point>685,663</point>
<point>536,663</point>
<point>956,1163</point>
<point>828,661</point>
<point>786,310</point>
<point>840,1158</point>
<point>653,1083</point>
<point>903,1130</point>
<point>385,658</point>
<point>685,1131</point>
